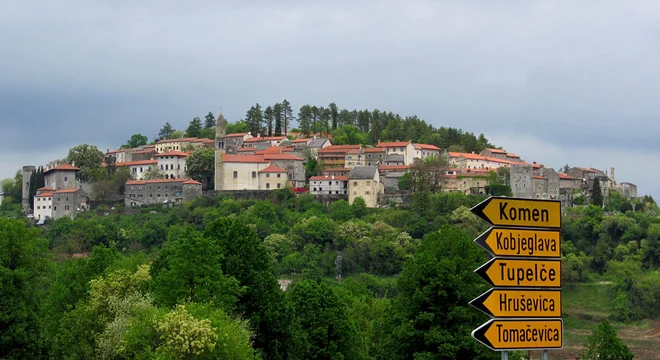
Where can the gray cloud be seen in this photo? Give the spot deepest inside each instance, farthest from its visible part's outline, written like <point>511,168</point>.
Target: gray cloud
<point>579,77</point>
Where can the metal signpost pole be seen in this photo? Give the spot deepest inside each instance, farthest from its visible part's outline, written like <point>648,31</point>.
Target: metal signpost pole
<point>544,355</point>
<point>505,355</point>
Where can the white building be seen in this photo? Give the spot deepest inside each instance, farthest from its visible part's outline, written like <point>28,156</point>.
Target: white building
<point>423,151</point>
<point>328,185</point>
<point>173,164</point>
<point>405,148</point>
<point>43,205</point>
<point>139,168</point>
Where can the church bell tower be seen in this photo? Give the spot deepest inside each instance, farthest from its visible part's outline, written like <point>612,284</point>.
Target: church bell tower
<point>220,149</point>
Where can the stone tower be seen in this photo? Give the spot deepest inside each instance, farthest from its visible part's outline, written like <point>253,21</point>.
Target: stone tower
<point>27,176</point>
<point>220,145</point>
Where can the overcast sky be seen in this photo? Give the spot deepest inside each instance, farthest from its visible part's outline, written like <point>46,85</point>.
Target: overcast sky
<point>557,82</point>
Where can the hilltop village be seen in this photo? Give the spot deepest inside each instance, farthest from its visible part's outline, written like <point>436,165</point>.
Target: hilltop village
<point>383,175</point>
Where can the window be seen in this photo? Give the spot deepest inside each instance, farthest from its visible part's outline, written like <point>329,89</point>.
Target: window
<point>279,185</point>
<point>49,206</point>
<point>369,156</point>
<point>329,182</point>
<point>368,183</point>
<point>178,167</point>
<point>366,193</point>
<point>235,174</point>
<point>55,208</point>
<point>151,195</point>
<point>267,175</point>
<point>354,183</point>
<point>254,174</point>
<point>140,169</point>
<point>38,199</point>
<point>158,195</point>
<point>267,185</point>
<point>380,155</point>
<point>38,208</point>
<point>66,207</point>
<point>66,178</point>
<point>336,182</point>
<point>354,192</point>
<point>279,175</point>
<point>165,195</point>
<point>314,189</point>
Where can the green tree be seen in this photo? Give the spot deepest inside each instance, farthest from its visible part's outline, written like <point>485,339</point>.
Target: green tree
<point>24,262</point>
<point>194,128</point>
<point>188,269</point>
<point>596,193</point>
<point>209,121</point>
<point>254,120</point>
<point>334,115</point>
<point>135,141</point>
<point>177,134</point>
<point>279,114</point>
<point>269,116</point>
<point>287,116</point>
<point>184,337</point>
<point>200,165</point>
<point>152,173</point>
<point>603,344</point>
<point>246,259</point>
<point>431,318</point>
<point>328,332</point>
<point>85,156</point>
<point>166,132</point>
<point>348,135</point>
<point>305,120</point>
<point>404,182</point>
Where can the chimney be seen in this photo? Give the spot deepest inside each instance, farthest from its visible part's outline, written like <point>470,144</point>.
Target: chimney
<point>333,177</point>
<point>258,135</point>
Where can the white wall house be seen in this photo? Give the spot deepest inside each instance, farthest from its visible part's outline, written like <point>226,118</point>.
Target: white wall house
<point>328,185</point>
<point>172,164</point>
<point>423,151</point>
<point>139,168</point>
<point>405,148</point>
<point>43,205</point>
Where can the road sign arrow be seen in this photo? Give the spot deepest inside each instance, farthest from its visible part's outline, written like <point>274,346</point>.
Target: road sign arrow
<point>520,334</point>
<point>514,242</point>
<point>503,211</point>
<point>502,272</point>
<point>504,303</point>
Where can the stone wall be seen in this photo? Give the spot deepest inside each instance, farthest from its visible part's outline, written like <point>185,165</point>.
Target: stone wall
<point>242,194</point>
<point>294,167</point>
<point>398,198</point>
<point>522,181</point>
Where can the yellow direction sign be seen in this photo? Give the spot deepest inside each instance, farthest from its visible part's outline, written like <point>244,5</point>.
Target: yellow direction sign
<point>520,334</point>
<point>520,242</point>
<point>521,273</point>
<point>501,303</point>
<point>503,211</point>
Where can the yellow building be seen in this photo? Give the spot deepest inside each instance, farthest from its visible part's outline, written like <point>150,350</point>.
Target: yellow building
<point>364,181</point>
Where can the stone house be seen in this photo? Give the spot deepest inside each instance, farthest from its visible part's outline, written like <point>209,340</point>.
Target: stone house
<point>62,176</point>
<point>364,181</point>
<point>522,181</point>
<point>294,166</point>
<point>138,168</point>
<point>628,190</point>
<point>160,191</point>
<point>167,145</point>
<point>143,154</point>
<point>269,140</point>
<point>57,203</point>
<point>391,179</point>
<point>495,153</point>
<point>172,164</point>
<point>395,159</point>
<point>374,156</point>
<point>474,161</point>
<point>405,148</point>
<point>336,172</point>
<point>272,177</point>
<point>335,155</point>
<point>317,144</point>
<point>548,187</point>
<point>354,157</point>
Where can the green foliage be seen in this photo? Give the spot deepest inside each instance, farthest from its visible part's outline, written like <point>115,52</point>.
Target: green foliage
<point>596,193</point>
<point>430,318</point>
<point>135,141</point>
<point>209,121</point>
<point>194,128</point>
<point>24,261</point>
<point>404,182</point>
<point>327,331</point>
<point>604,344</point>
<point>200,165</point>
<point>348,135</point>
<point>254,120</point>
<point>187,269</point>
<point>166,132</point>
<point>88,158</point>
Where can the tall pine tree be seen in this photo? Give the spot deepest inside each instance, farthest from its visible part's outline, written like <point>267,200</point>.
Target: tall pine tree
<point>305,119</point>
<point>597,193</point>
<point>194,128</point>
<point>209,121</point>
<point>334,114</point>
<point>268,117</point>
<point>288,115</point>
<point>166,132</point>
<point>279,114</point>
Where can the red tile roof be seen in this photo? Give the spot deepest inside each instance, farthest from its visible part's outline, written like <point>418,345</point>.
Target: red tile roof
<point>63,167</point>
<point>354,151</point>
<point>374,150</point>
<point>136,163</point>
<point>426,147</point>
<point>337,170</point>
<point>66,191</point>
<point>288,149</point>
<point>566,176</point>
<point>172,153</point>
<point>323,178</point>
<point>539,177</point>
<point>497,151</point>
<point>115,151</point>
<point>282,157</point>
<point>393,144</point>
<point>302,140</point>
<point>243,158</point>
<point>272,169</point>
<point>246,149</point>
<point>237,135</point>
<point>45,194</point>
<point>339,149</point>
<point>143,151</point>
<point>45,188</point>
<point>270,150</point>
<point>587,170</point>
<point>513,156</point>
<point>191,182</point>
<point>265,138</point>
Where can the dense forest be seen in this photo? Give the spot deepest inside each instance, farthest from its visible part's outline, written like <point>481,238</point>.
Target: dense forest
<point>200,281</point>
<point>345,126</point>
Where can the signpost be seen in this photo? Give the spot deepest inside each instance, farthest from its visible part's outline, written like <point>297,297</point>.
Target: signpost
<point>526,274</point>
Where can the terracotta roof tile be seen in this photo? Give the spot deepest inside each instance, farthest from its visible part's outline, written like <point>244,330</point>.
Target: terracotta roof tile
<point>247,149</point>
<point>154,181</point>
<point>426,147</point>
<point>539,177</point>
<point>143,151</point>
<point>392,167</point>
<point>393,144</point>
<point>45,188</point>
<point>192,182</point>
<point>497,151</point>
<point>302,140</point>
<point>374,150</point>
<point>243,158</point>
<point>272,169</point>
<point>237,135</point>
<point>66,191</point>
<point>172,153</point>
<point>282,157</point>
<point>45,194</point>
<point>63,167</point>
<point>265,138</point>
<point>512,156</point>
<point>136,163</point>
